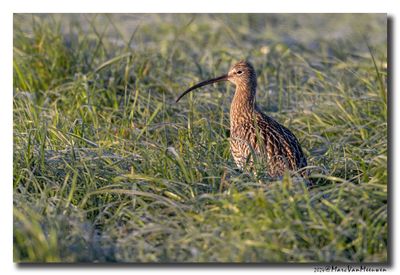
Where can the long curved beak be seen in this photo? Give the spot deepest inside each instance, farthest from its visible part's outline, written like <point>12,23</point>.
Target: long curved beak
<point>203,83</point>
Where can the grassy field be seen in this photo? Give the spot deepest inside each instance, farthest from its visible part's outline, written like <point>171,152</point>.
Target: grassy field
<point>108,168</point>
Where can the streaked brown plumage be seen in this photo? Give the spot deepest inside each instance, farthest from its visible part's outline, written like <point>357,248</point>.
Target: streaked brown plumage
<point>254,133</point>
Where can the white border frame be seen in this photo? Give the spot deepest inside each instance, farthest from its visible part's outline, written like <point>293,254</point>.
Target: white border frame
<point>7,8</point>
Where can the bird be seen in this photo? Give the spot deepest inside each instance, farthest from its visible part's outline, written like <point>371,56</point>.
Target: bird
<point>253,134</point>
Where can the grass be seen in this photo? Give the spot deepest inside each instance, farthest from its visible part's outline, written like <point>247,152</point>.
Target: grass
<point>108,168</point>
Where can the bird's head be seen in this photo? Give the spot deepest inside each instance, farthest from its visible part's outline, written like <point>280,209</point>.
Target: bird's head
<point>242,74</point>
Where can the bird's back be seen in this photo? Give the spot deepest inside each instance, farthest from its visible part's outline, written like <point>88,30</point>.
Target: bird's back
<point>273,143</point>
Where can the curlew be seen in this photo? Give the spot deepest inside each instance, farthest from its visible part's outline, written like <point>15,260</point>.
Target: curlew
<point>254,134</point>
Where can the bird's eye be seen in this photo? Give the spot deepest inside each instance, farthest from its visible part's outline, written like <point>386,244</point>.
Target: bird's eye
<point>239,72</point>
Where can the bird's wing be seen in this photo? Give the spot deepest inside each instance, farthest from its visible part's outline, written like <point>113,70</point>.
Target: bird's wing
<point>280,141</point>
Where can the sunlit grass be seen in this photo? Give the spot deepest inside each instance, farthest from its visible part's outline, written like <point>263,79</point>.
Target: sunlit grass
<point>108,168</point>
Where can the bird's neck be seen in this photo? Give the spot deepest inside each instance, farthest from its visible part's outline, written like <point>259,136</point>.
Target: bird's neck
<point>243,103</point>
